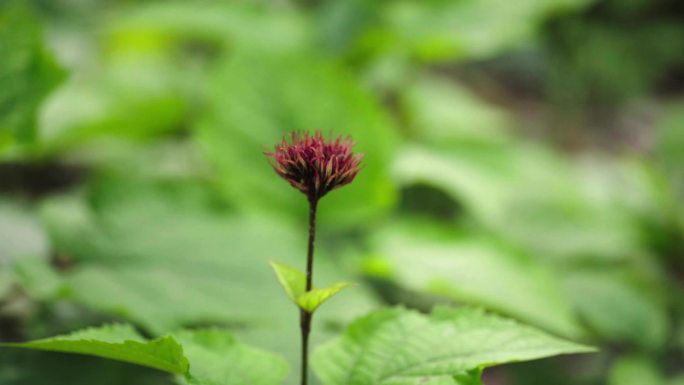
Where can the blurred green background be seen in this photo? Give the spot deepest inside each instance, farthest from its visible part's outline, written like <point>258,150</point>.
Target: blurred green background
<point>522,156</point>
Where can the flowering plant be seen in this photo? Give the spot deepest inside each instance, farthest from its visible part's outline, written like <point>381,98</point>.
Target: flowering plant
<point>315,166</point>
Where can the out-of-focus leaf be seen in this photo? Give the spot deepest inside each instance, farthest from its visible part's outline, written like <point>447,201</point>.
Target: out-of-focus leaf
<point>635,370</point>
<point>21,234</point>
<point>293,282</point>
<point>140,252</point>
<point>256,98</point>
<point>441,111</point>
<point>670,144</point>
<point>216,358</point>
<point>203,357</point>
<point>443,30</point>
<point>133,99</point>
<point>117,342</point>
<point>618,310</point>
<point>39,279</point>
<point>28,72</point>
<point>572,216</point>
<point>402,347</point>
<point>173,25</point>
<point>475,271</point>
<point>22,240</point>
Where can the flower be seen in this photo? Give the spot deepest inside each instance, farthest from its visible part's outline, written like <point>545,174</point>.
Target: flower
<point>314,165</point>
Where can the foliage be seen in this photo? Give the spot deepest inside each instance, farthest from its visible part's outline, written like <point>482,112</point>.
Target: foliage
<point>397,346</point>
<point>134,192</point>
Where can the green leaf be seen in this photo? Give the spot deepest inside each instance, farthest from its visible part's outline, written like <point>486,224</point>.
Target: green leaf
<point>311,300</point>
<point>28,72</point>
<point>117,342</point>
<point>294,283</point>
<point>402,347</point>
<point>216,358</point>
<point>291,279</point>
<point>203,357</point>
<point>475,270</point>
<point>619,308</point>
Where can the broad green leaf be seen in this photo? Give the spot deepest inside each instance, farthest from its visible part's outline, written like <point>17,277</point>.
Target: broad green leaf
<point>200,357</point>
<point>255,98</point>
<point>117,342</point>
<point>447,30</point>
<point>402,347</point>
<point>28,72</point>
<point>169,26</point>
<point>293,282</point>
<point>474,270</point>
<point>619,309</point>
<point>216,358</point>
<point>581,212</point>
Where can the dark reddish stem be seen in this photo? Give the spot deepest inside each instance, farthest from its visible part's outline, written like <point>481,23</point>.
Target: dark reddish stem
<point>305,317</point>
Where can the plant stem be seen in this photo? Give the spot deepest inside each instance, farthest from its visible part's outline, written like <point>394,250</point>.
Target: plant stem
<point>305,317</point>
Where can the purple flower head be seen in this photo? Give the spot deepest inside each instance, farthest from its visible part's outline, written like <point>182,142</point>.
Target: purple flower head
<point>314,165</point>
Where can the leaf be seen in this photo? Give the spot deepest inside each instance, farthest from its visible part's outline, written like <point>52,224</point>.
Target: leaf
<point>402,347</point>
<point>28,72</point>
<point>618,309</point>
<point>474,270</point>
<point>294,283</point>
<point>635,370</point>
<point>311,300</point>
<point>443,111</point>
<point>446,30</point>
<point>291,279</point>
<point>216,358</point>
<point>255,98</point>
<point>117,342</point>
<point>204,356</point>
<point>580,213</point>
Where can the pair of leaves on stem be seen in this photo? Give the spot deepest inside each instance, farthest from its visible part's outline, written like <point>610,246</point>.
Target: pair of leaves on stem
<point>294,283</point>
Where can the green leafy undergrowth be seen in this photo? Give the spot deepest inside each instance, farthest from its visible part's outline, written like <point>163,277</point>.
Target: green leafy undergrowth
<point>393,346</point>
<point>136,253</point>
<point>199,357</point>
<point>403,347</point>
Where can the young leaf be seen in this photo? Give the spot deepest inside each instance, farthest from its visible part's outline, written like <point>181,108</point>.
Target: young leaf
<point>294,283</point>
<point>313,299</point>
<point>292,280</point>
<point>117,342</point>
<point>402,347</point>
